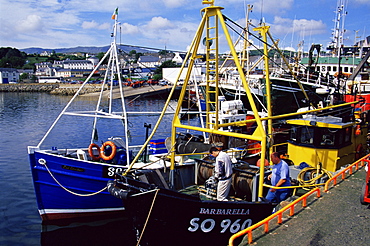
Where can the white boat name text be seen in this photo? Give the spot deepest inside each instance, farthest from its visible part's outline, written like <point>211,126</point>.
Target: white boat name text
<point>220,211</point>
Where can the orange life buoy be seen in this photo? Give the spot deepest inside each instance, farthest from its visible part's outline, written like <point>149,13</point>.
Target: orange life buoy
<point>254,147</point>
<point>112,154</point>
<point>91,153</point>
<point>266,163</point>
<point>358,130</point>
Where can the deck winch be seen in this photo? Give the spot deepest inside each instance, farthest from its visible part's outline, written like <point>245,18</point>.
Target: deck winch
<point>244,180</point>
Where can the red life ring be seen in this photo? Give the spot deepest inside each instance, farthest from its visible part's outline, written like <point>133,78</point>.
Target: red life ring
<point>91,153</point>
<point>113,153</point>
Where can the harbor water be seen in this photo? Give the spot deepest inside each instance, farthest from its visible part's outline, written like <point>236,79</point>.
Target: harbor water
<point>24,119</point>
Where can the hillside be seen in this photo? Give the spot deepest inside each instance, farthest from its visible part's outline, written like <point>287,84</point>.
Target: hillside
<point>83,49</point>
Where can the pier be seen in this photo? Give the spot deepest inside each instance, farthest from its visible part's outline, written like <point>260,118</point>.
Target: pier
<point>130,92</point>
<point>89,90</point>
<point>336,218</point>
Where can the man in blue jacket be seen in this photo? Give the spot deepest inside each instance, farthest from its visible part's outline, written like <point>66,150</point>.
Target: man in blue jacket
<point>223,172</point>
<point>279,177</point>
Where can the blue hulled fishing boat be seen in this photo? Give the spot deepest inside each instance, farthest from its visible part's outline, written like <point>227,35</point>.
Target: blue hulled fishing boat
<point>70,178</point>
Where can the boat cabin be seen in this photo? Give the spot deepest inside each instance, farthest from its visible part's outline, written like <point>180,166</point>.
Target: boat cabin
<point>326,140</point>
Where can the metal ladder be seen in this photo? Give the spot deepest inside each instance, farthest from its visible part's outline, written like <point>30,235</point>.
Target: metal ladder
<point>212,77</point>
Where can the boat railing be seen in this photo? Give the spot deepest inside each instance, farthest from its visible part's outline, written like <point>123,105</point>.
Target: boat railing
<point>278,214</point>
<point>303,78</point>
<point>348,170</point>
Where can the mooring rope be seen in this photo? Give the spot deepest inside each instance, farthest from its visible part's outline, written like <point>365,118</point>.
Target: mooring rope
<point>147,218</point>
<point>74,193</point>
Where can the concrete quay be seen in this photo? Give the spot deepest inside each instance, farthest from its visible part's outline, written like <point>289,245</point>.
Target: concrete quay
<point>336,218</point>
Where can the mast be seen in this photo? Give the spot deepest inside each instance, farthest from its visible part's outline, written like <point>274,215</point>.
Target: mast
<point>245,54</point>
<point>263,31</point>
<point>211,24</point>
<point>338,31</point>
<point>114,69</point>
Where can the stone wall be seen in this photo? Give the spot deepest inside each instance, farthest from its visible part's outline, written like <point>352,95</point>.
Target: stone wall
<point>55,89</point>
<point>28,87</point>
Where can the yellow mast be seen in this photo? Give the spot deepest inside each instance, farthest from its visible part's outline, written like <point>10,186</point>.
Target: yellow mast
<point>212,22</point>
<point>263,31</point>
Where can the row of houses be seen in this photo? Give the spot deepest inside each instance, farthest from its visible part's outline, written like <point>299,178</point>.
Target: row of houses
<point>48,72</point>
<point>58,71</point>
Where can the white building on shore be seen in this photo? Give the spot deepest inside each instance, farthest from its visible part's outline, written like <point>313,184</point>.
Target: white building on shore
<point>9,75</point>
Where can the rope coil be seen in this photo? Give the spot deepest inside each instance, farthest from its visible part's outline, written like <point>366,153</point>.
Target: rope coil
<point>315,174</point>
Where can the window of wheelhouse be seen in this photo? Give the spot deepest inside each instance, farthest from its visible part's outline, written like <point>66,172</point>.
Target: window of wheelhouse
<point>302,134</point>
<point>307,134</point>
<point>348,134</point>
<point>328,137</point>
<point>335,137</point>
<point>321,137</point>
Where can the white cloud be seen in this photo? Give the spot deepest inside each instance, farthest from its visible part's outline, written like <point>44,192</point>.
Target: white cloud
<point>32,23</point>
<point>129,29</point>
<point>312,26</point>
<point>304,27</point>
<point>153,23</point>
<point>160,23</point>
<point>95,25</point>
<point>89,24</point>
<point>64,19</point>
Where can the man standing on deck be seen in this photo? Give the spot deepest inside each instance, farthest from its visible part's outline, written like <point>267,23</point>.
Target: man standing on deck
<point>223,172</point>
<point>279,177</point>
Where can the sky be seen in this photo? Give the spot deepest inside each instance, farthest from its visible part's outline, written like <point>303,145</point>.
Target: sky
<point>170,24</point>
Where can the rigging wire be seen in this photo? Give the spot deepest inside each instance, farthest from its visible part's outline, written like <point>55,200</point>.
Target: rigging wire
<point>258,50</point>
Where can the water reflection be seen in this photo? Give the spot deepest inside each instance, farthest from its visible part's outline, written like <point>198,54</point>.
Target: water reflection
<point>100,232</point>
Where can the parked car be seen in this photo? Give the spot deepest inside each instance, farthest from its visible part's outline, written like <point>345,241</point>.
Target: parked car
<point>163,82</point>
<point>152,82</point>
<point>137,83</point>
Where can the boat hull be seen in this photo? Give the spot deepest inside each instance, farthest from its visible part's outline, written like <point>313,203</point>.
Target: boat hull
<point>364,100</point>
<point>166,217</point>
<point>68,188</point>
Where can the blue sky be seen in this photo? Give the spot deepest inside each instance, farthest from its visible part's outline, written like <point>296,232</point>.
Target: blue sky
<point>168,23</point>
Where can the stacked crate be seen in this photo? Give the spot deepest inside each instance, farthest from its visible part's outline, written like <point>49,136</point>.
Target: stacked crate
<point>157,146</point>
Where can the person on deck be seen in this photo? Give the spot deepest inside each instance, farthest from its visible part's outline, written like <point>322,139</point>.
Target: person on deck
<point>223,172</point>
<point>279,177</point>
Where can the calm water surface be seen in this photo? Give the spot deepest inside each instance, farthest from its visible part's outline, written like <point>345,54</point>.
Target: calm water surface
<point>24,119</point>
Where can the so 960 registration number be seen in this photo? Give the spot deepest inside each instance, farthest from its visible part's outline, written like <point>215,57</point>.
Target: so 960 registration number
<point>207,225</point>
